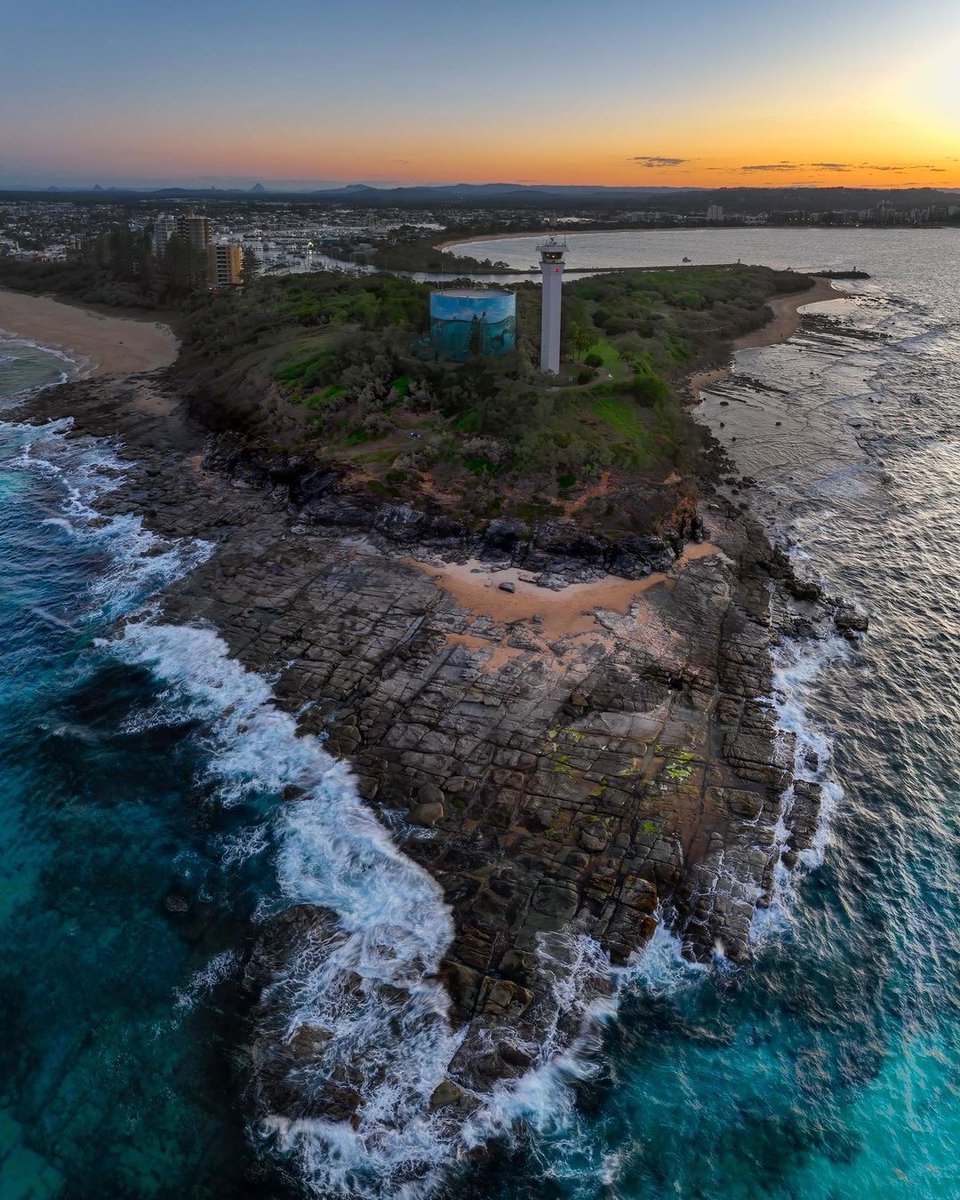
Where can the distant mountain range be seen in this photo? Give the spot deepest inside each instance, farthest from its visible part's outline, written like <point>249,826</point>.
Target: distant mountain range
<point>516,195</point>
<point>369,193</point>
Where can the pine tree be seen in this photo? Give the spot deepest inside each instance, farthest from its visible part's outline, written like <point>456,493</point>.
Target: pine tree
<point>251,265</point>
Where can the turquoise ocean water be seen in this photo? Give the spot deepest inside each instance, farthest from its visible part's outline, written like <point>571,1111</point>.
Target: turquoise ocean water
<point>111,1084</point>
<point>140,844</point>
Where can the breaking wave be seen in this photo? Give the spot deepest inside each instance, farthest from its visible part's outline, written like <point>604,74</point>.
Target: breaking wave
<point>366,990</point>
<point>135,563</point>
<point>369,995</point>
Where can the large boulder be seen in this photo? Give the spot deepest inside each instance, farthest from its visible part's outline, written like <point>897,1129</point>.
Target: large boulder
<point>503,534</point>
<point>312,486</point>
<point>407,526</point>
<point>635,557</point>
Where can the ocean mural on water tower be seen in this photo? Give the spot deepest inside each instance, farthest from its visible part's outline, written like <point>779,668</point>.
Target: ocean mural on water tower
<point>467,323</point>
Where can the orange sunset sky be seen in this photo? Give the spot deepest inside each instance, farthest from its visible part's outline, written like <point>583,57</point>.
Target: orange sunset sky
<point>620,93</point>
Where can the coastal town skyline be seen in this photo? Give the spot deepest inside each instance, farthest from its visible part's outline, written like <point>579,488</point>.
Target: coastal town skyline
<point>698,96</point>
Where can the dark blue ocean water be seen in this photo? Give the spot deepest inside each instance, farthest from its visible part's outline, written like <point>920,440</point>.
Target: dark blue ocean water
<point>142,838</point>
<point>110,1085</point>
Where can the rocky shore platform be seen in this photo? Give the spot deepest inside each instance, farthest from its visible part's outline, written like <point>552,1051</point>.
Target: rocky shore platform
<point>574,735</point>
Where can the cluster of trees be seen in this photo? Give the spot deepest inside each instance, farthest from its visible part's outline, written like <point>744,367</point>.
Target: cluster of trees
<point>353,352</point>
<point>301,320</point>
<point>118,267</point>
<point>330,301</point>
<point>664,320</point>
<point>408,248</point>
<point>125,256</point>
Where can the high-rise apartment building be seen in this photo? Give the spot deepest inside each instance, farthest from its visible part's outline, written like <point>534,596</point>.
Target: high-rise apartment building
<point>194,230</point>
<point>164,228</point>
<point>224,266</point>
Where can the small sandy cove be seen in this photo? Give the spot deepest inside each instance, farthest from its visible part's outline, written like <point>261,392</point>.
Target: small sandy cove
<point>566,614</point>
<point>102,345</point>
<point>785,323</point>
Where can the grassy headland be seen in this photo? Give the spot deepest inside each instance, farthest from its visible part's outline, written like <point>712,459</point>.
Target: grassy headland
<point>341,368</point>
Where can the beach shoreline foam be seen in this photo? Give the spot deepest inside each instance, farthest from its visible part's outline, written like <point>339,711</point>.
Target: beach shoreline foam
<point>101,345</point>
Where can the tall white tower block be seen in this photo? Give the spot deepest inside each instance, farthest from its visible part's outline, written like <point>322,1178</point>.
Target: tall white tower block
<point>551,268</point>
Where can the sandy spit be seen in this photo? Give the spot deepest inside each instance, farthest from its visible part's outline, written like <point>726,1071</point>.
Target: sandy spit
<point>785,323</point>
<point>102,345</point>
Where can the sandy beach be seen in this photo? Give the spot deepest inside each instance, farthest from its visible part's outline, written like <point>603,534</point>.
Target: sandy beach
<point>785,323</point>
<point>566,613</point>
<point>103,345</point>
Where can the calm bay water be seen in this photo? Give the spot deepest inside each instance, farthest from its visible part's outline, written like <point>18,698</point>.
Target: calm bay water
<point>884,253</point>
<point>139,838</point>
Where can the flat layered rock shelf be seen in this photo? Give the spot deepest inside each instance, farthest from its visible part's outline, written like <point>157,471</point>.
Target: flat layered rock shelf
<point>571,764</point>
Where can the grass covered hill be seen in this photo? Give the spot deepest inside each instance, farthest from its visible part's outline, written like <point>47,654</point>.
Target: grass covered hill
<point>341,367</point>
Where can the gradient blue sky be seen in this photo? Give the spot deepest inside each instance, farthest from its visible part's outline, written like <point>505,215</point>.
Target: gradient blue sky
<point>849,91</point>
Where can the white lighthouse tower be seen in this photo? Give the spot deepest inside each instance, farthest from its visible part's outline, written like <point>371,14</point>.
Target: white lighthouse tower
<point>551,268</point>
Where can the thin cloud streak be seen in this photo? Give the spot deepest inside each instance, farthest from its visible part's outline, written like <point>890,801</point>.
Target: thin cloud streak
<point>653,161</point>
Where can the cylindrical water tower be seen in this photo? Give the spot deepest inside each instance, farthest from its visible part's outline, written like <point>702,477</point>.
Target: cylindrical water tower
<point>471,322</point>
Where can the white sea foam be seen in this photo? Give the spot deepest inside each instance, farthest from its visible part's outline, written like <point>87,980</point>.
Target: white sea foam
<point>212,973</point>
<point>544,1101</point>
<point>660,970</point>
<point>140,562</point>
<point>373,990</point>
<point>247,843</point>
<point>10,343</point>
<point>543,1098</point>
<point>12,352</point>
<point>796,668</point>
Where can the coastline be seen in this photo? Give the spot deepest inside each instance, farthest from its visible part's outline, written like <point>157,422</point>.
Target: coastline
<point>100,345</point>
<point>780,328</point>
<point>536,233</point>
<point>603,744</point>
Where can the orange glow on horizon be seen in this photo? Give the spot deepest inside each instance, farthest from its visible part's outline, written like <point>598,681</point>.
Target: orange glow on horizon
<point>790,163</point>
<point>860,94</point>
<point>904,131</point>
<point>890,153</point>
